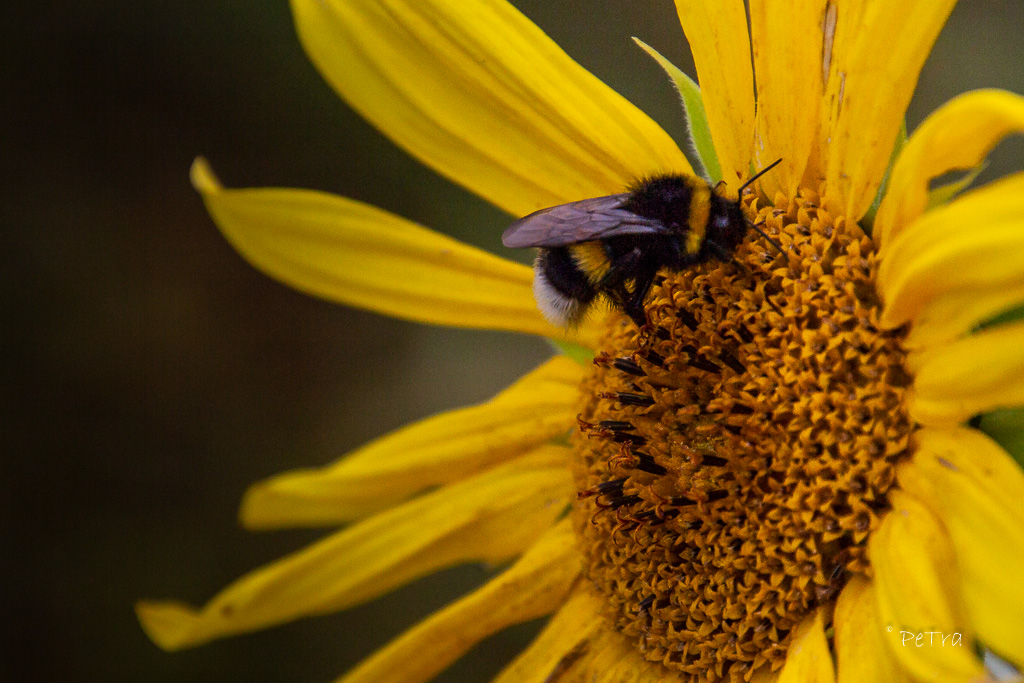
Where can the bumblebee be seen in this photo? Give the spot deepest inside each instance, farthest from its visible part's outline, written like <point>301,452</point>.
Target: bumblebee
<point>614,246</point>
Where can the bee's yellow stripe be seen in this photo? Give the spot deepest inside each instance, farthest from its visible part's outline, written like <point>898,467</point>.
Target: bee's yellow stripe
<point>700,210</point>
<point>590,259</point>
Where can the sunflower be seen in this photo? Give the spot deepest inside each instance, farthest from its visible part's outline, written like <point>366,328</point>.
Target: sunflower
<point>783,475</point>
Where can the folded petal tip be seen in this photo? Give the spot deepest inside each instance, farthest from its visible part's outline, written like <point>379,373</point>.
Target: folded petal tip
<point>250,509</point>
<point>167,623</point>
<point>202,176</point>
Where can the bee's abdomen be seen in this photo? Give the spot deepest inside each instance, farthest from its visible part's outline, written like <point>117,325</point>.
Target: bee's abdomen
<point>591,259</point>
<point>565,275</point>
<point>562,289</point>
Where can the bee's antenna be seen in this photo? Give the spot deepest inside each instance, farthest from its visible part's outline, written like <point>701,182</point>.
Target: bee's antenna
<point>758,175</point>
<point>764,235</point>
<point>746,185</point>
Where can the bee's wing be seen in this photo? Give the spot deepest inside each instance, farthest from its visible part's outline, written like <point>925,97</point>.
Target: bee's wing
<point>589,219</point>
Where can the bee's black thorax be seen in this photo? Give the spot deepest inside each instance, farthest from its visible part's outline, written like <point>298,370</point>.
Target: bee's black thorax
<point>705,223</point>
<point>664,198</point>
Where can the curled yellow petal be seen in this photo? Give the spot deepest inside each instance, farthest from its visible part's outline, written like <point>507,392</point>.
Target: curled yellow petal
<point>958,135</point>
<point>874,76</point>
<point>490,517</point>
<point>808,659</point>
<point>863,646</point>
<point>356,254</point>
<point>787,40</point>
<point>534,586</point>
<point>976,489</point>
<point>438,450</point>
<point>973,375</point>
<point>476,91</point>
<point>918,592</point>
<point>955,313</point>
<point>975,243</point>
<point>717,34</point>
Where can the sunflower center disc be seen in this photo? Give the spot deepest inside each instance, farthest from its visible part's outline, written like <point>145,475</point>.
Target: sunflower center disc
<point>733,460</point>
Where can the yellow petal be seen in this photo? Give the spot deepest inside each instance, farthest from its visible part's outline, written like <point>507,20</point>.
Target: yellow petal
<point>917,587</point>
<point>875,75</point>
<point>808,659</point>
<point>717,34</point>
<point>841,31</point>
<point>958,135</point>
<point>976,374</point>
<point>565,639</point>
<point>974,242</point>
<point>787,40</point>
<point>863,646</point>
<point>953,314</point>
<point>534,586</point>
<point>578,646</point>
<point>476,91</point>
<point>614,658</point>
<point>355,254</point>
<point>490,517</point>
<point>764,674</point>
<point>438,450</point>
<point>976,489</point>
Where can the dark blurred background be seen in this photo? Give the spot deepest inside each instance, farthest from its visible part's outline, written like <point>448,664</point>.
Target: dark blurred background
<point>149,374</point>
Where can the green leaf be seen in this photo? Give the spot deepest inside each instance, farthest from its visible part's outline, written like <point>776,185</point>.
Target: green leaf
<point>696,119</point>
<point>576,352</point>
<point>1007,428</point>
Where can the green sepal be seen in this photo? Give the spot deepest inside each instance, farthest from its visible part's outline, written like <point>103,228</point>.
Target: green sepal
<point>868,221</point>
<point>1010,316</point>
<point>1006,427</point>
<point>580,354</point>
<point>696,118</point>
<point>944,193</point>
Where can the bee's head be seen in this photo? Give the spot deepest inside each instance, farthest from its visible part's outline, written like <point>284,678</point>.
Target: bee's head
<point>727,225</point>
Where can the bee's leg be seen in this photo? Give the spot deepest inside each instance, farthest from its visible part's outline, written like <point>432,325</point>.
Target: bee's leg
<point>634,304</point>
<point>613,284</point>
<point>726,256</point>
<point>622,299</point>
<point>636,313</point>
